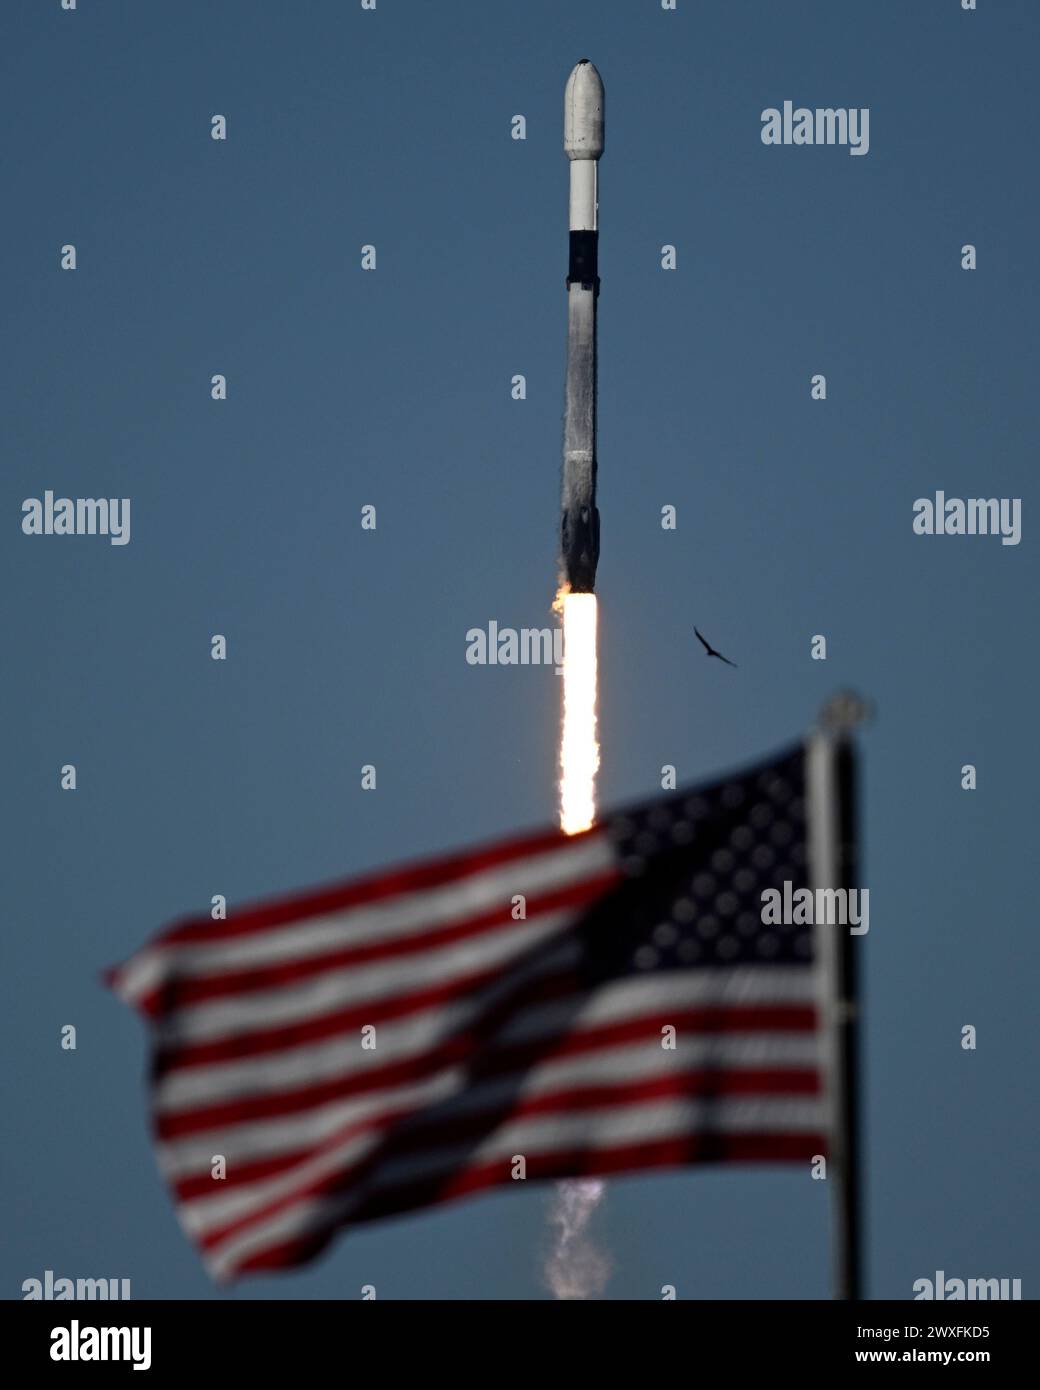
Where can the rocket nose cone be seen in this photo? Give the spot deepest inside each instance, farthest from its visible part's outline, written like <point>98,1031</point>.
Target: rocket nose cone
<point>583,113</point>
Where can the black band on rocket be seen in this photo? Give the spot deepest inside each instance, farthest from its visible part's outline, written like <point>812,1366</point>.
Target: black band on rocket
<point>584,259</point>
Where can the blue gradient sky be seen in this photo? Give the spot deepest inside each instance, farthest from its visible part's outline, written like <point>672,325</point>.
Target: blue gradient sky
<point>345,647</point>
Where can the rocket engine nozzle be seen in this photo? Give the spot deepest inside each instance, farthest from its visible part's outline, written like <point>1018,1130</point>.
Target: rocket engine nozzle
<point>579,547</point>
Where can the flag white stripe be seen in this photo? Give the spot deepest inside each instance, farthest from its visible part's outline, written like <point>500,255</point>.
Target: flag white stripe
<point>313,1063</point>
<point>256,1140</point>
<point>588,1130</point>
<point>381,921</point>
<point>357,985</point>
<point>635,1062</point>
<point>681,990</point>
<point>613,1125</point>
<point>232,1018</point>
<point>253,1139</point>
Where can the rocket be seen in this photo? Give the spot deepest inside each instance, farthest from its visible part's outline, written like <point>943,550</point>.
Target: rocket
<point>583,145</point>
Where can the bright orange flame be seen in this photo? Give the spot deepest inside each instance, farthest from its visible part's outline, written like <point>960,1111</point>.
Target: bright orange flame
<point>579,751</point>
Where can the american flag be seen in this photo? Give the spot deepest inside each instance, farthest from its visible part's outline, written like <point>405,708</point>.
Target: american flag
<point>549,1005</point>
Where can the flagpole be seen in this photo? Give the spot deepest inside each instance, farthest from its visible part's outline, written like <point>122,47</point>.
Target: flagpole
<point>833,864</point>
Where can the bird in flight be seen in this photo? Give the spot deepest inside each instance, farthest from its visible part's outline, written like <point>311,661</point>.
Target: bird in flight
<point>712,652</point>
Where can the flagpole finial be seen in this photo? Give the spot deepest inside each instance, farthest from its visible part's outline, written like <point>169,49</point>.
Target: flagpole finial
<point>845,711</point>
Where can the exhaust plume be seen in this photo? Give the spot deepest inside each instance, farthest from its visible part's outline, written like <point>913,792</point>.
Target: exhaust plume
<point>577,1268</point>
<point>579,751</point>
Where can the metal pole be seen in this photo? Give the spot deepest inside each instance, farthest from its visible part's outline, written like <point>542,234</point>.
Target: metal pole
<point>833,864</point>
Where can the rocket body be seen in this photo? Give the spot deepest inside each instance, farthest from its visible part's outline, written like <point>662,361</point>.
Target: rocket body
<point>583,145</point>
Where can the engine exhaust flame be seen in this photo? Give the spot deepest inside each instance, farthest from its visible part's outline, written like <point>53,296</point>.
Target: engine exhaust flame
<point>579,751</point>
<point>577,1268</point>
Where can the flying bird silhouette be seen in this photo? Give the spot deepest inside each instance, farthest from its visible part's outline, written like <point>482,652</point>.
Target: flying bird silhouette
<point>712,652</point>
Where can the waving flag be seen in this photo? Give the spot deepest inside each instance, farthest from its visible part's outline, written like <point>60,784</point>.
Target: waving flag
<point>549,1006</point>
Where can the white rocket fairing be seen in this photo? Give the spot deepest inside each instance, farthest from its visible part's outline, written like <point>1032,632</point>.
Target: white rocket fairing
<point>583,145</point>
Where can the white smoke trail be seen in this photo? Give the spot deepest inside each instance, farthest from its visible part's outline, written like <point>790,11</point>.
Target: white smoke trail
<point>577,1267</point>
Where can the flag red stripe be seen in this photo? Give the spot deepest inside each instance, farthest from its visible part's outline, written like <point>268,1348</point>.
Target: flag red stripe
<point>330,1025</point>
<point>416,1137</point>
<point>601,1162</point>
<point>492,1060</point>
<point>763,1081</point>
<point>181,992</point>
<point>338,897</point>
